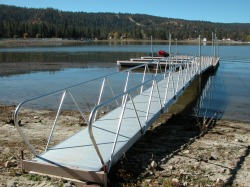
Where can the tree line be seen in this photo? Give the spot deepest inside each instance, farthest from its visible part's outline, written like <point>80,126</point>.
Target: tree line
<point>17,22</point>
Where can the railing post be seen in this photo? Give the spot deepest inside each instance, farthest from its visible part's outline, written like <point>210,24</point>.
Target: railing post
<point>169,38</point>
<point>100,95</point>
<point>143,78</point>
<point>112,91</point>
<point>200,53</point>
<point>133,79</point>
<point>15,116</point>
<point>166,92</point>
<point>157,67</point>
<point>85,119</point>
<point>159,96</point>
<point>166,66</point>
<point>118,130</point>
<point>58,112</point>
<point>185,71</point>
<point>172,68</point>
<point>188,70</point>
<point>182,70</point>
<point>149,102</point>
<point>152,54</point>
<point>177,85</point>
<point>126,85</point>
<point>131,99</point>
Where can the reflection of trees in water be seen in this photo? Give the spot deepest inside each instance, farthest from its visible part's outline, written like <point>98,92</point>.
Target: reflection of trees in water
<point>8,74</point>
<point>86,57</point>
<point>14,63</point>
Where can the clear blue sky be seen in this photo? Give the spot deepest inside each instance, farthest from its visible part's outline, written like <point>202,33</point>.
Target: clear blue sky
<point>223,11</point>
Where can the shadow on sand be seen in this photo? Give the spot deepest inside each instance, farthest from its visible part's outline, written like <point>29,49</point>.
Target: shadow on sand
<point>171,132</point>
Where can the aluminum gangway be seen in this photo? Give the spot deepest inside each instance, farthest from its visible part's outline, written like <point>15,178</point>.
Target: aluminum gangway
<point>89,154</point>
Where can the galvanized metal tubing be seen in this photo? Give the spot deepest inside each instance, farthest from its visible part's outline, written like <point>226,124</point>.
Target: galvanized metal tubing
<point>186,68</point>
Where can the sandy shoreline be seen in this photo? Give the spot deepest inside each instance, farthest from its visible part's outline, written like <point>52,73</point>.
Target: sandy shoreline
<point>181,154</point>
<point>21,42</point>
<point>219,157</point>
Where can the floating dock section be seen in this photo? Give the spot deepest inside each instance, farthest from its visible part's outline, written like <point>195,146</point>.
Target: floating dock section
<point>89,154</point>
<point>151,61</point>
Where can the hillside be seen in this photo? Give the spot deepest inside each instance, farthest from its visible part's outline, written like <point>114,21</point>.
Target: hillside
<point>16,22</point>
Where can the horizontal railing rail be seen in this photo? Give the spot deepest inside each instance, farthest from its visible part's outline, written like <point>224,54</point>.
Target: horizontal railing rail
<point>66,91</point>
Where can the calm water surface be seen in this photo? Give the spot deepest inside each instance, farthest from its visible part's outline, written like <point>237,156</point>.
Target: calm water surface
<point>230,84</point>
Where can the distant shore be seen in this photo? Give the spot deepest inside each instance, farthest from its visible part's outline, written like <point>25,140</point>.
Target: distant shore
<point>19,42</point>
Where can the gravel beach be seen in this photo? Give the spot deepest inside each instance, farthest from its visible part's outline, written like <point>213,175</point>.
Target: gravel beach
<point>174,152</point>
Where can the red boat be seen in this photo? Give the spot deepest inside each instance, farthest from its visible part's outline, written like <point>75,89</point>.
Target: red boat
<point>163,53</point>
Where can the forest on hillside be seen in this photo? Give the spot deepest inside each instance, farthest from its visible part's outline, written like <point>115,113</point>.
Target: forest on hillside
<point>17,22</point>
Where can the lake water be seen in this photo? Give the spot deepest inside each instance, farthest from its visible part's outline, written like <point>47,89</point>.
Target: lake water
<point>230,84</point>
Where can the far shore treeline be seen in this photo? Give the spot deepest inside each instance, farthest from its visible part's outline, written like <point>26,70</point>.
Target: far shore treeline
<point>16,22</point>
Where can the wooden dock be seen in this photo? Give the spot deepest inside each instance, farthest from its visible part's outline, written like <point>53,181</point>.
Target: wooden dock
<point>89,154</point>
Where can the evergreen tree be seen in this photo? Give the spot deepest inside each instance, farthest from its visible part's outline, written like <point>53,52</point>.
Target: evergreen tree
<point>16,21</point>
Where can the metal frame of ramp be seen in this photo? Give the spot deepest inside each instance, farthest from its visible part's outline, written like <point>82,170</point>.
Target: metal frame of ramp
<point>90,153</point>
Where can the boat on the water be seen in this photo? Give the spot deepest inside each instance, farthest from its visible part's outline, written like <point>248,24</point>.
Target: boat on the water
<point>162,53</point>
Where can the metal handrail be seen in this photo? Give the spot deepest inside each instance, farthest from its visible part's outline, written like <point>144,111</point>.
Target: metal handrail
<point>16,112</point>
<point>57,115</point>
<point>127,93</point>
<point>124,95</point>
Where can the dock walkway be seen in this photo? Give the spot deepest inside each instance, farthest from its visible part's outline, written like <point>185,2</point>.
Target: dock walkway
<point>89,154</point>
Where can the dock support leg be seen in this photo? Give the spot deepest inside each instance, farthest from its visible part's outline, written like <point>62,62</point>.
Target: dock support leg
<point>22,158</point>
<point>105,176</point>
